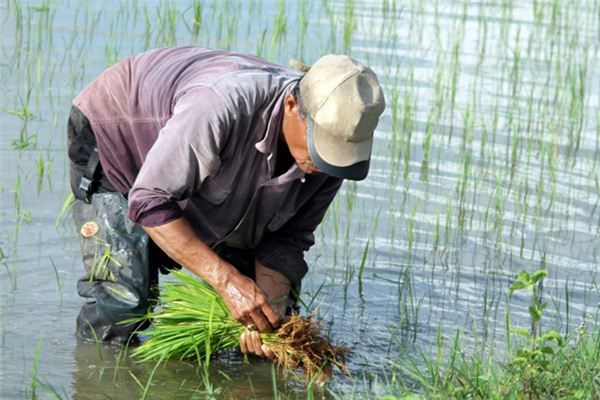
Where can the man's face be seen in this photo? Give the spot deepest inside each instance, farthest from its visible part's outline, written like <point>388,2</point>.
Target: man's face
<point>294,130</point>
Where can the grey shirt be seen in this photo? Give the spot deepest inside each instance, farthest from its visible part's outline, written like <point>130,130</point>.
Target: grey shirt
<point>194,132</point>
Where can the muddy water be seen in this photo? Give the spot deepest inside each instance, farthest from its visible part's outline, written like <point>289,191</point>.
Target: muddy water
<point>486,163</point>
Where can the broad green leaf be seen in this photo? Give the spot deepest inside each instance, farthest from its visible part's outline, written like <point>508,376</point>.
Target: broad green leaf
<point>524,277</point>
<point>524,352</point>
<point>519,360</point>
<point>539,274</point>
<point>521,332</point>
<point>516,286</point>
<point>543,363</point>
<point>546,350</point>
<point>552,335</point>
<point>535,313</point>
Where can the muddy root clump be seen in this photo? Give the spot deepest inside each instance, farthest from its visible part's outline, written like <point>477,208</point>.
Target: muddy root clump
<point>297,344</point>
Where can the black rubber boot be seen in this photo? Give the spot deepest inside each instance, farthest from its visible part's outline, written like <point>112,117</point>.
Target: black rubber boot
<point>120,282</point>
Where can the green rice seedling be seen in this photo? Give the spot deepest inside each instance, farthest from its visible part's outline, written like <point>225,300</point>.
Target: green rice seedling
<point>395,145</point>
<point>329,10</point>
<point>303,19</point>
<point>197,20</point>
<point>66,205</point>
<point>312,297</point>
<point>40,167</point>
<point>454,76</point>
<point>194,323</point>
<point>462,189</point>
<point>17,196</point>
<point>111,52</point>
<point>147,29</point>
<point>279,29</point>
<point>408,306</point>
<point>151,377</point>
<point>230,33</point>
<point>59,284</point>
<point>448,223</point>
<point>18,14</point>
<point>436,236</point>
<point>361,268</point>
<point>274,384</point>
<point>51,391</point>
<point>24,140</point>
<point>426,150</point>
<point>49,163</point>
<point>209,391</point>
<point>410,233</point>
<point>101,267</point>
<point>167,15</point>
<point>349,25</point>
<point>260,43</point>
<point>97,342</point>
<point>36,356</point>
<point>12,276</point>
<point>121,355</point>
<point>350,197</point>
<point>135,379</point>
<point>407,132</point>
<point>24,113</point>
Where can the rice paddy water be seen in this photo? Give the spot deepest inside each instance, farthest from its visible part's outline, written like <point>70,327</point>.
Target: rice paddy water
<point>486,163</point>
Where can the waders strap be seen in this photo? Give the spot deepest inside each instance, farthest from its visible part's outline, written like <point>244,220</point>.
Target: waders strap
<point>89,184</point>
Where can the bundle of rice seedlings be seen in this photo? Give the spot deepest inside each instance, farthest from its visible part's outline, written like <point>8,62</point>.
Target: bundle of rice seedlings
<point>194,322</point>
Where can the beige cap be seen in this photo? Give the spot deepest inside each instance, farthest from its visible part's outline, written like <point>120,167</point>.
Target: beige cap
<point>344,100</point>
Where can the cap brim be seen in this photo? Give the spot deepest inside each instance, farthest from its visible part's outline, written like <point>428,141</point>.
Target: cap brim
<point>360,152</point>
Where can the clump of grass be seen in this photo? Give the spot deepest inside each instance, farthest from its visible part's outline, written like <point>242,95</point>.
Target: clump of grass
<point>194,322</point>
<point>547,366</point>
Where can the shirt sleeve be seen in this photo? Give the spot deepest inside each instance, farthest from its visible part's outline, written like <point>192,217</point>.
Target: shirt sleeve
<point>283,250</point>
<point>184,155</point>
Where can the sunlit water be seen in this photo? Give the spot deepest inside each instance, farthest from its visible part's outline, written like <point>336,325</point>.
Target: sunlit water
<point>485,164</point>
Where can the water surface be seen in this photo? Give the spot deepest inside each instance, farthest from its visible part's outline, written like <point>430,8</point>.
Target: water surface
<point>485,164</point>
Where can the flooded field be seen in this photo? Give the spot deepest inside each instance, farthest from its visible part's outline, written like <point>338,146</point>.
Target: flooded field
<point>486,163</point>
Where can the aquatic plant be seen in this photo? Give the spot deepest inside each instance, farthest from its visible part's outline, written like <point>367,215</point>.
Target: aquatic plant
<point>194,322</point>
<point>547,365</point>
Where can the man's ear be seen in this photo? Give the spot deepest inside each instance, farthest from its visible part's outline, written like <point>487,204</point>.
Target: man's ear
<point>290,104</point>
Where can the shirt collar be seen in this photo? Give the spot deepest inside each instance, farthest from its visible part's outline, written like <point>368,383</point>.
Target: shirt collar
<point>268,144</point>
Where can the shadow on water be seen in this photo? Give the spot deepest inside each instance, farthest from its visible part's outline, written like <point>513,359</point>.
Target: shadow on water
<point>104,371</point>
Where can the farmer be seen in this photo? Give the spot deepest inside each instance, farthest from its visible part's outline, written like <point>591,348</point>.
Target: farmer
<point>220,162</point>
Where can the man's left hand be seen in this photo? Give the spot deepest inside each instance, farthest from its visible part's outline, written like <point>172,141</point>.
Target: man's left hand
<point>276,287</point>
<point>250,342</point>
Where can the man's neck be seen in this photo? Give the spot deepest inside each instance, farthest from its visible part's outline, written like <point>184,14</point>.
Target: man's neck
<point>284,157</point>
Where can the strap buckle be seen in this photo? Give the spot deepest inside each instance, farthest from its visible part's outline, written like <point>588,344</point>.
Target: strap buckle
<point>85,189</point>
<point>88,182</point>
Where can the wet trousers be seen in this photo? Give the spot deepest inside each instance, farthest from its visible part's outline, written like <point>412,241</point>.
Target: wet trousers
<point>122,263</point>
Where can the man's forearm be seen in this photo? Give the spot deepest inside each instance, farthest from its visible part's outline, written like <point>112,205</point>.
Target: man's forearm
<point>178,240</point>
<point>246,301</point>
<point>275,285</point>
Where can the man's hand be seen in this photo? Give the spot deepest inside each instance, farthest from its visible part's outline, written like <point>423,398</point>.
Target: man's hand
<point>246,301</point>
<point>276,287</point>
<point>248,304</point>
<point>250,342</point>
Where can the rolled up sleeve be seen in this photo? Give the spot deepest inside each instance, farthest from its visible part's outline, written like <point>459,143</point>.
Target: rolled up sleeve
<point>184,155</point>
<point>283,250</point>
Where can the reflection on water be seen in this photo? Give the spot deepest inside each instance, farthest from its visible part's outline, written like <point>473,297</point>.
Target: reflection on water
<point>107,372</point>
<point>485,163</point>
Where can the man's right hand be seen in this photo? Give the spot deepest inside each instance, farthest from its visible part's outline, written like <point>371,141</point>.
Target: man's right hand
<point>242,296</point>
<point>248,304</point>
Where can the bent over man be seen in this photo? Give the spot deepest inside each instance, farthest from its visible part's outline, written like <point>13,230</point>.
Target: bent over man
<point>219,162</point>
